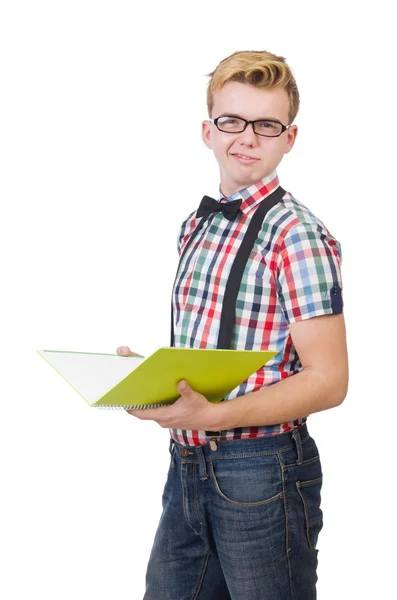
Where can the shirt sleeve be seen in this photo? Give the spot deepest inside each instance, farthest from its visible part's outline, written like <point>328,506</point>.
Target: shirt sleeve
<point>309,281</point>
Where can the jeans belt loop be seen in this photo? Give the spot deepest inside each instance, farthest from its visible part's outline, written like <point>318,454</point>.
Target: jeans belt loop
<point>171,449</point>
<point>298,443</point>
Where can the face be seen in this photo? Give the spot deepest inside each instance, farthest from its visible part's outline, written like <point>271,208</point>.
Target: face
<point>245,158</point>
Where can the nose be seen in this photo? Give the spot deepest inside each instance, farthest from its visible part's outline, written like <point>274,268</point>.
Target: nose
<point>248,136</point>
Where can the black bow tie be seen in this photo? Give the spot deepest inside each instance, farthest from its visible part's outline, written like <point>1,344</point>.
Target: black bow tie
<point>208,205</point>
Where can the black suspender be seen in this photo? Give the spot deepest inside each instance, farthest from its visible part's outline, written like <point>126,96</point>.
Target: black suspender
<point>238,266</point>
<point>237,270</point>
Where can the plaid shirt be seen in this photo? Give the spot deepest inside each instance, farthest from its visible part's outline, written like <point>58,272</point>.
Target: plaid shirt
<point>293,273</point>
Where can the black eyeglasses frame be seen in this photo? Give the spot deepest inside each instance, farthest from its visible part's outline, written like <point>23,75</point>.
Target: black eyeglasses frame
<point>284,127</point>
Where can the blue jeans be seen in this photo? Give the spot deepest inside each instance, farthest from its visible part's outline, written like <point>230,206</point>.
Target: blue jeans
<point>240,522</point>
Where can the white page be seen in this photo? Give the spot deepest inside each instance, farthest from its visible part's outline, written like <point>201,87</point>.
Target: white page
<point>92,375</point>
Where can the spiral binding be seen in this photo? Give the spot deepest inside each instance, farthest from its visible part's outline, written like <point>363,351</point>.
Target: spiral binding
<point>132,406</point>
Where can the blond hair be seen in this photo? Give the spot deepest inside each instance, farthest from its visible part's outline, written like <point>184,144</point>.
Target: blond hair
<point>257,68</point>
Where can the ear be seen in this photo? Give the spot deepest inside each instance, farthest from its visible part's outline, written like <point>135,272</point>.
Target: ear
<point>291,137</point>
<point>206,133</point>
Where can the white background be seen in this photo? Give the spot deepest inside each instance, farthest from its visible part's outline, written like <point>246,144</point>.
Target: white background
<point>92,197</point>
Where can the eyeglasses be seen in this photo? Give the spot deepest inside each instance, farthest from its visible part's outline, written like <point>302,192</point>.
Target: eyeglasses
<point>264,127</point>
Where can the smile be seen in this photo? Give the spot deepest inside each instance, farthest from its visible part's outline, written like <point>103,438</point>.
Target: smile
<point>245,159</point>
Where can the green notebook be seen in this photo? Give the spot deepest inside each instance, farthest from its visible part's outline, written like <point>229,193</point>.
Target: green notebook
<point>131,382</point>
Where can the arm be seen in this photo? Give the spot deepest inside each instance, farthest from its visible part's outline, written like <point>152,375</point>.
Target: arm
<point>322,383</point>
<point>308,269</point>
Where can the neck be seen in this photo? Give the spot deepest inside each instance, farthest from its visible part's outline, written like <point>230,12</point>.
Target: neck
<point>227,189</point>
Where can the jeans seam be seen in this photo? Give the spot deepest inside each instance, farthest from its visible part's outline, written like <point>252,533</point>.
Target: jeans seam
<point>184,506</point>
<point>196,502</point>
<point>303,463</point>
<point>309,523</point>
<point>284,495</point>
<point>287,528</point>
<point>201,577</point>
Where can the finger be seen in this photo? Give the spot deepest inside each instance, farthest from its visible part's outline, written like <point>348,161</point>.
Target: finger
<point>144,415</point>
<point>182,387</point>
<point>151,413</point>
<point>124,351</point>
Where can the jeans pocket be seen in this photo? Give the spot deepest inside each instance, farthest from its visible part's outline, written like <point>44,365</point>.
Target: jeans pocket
<point>249,481</point>
<point>310,494</point>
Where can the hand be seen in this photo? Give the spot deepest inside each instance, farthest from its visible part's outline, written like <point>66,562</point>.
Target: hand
<point>125,351</point>
<point>191,411</point>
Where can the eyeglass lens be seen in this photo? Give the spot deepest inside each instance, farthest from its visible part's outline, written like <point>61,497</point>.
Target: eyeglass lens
<point>236,125</point>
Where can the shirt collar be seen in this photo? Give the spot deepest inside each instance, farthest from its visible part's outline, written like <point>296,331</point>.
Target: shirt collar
<point>255,193</point>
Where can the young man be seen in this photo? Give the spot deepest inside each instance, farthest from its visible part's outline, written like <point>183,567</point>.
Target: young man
<point>241,506</point>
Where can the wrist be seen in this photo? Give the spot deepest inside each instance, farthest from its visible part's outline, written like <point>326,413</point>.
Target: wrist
<point>220,417</point>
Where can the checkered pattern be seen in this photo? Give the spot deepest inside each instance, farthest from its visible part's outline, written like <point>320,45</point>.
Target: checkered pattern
<point>293,273</point>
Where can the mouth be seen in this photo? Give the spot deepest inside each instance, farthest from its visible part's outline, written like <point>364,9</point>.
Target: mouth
<point>244,158</point>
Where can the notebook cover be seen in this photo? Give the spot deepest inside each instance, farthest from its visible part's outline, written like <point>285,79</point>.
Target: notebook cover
<point>212,372</point>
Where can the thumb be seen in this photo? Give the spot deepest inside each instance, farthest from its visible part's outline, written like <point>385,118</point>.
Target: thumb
<point>183,387</point>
